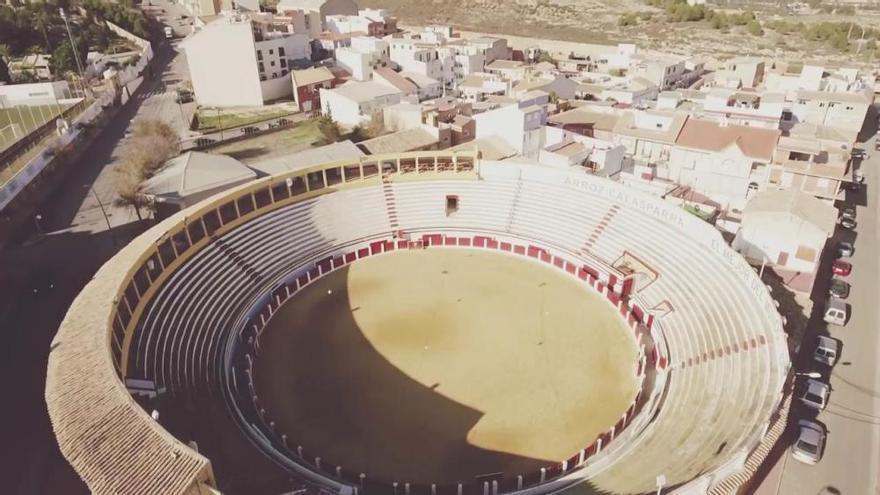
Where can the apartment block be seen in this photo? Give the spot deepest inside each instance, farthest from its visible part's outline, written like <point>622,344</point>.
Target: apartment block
<point>235,61</point>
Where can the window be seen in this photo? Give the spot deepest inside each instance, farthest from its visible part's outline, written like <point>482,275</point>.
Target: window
<point>212,222</point>
<point>228,213</point>
<point>280,51</point>
<point>280,191</point>
<point>262,78</point>
<point>284,72</point>
<point>245,204</point>
<point>283,62</point>
<point>261,67</point>
<point>259,55</point>
<point>274,75</point>
<point>196,231</point>
<point>271,51</point>
<point>451,204</point>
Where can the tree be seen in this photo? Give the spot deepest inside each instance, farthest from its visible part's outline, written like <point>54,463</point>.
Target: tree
<point>754,28</point>
<point>628,19</point>
<point>130,189</point>
<point>329,129</point>
<point>63,59</point>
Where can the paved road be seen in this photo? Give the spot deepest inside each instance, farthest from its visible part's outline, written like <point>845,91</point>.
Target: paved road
<point>40,278</point>
<point>852,455</point>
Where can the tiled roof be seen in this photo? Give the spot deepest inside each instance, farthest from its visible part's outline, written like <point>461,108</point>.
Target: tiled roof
<point>708,135</point>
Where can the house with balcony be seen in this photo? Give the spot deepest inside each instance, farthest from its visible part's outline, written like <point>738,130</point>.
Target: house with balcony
<point>476,87</point>
<point>809,165</point>
<point>724,164</point>
<point>589,121</point>
<point>564,149</point>
<point>518,124</point>
<point>746,108</point>
<point>451,116</point>
<point>510,70</point>
<point>843,111</point>
<point>649,135</point>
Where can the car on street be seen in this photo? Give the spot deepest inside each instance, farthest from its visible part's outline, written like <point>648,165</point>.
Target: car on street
<point>815,394</point>
<point>836,312</point>
<point>848,212</point>
<point>848,223</point>
<point>826,350</point>
<point>845,249</point>
<point>838,288</point>
<point>810,442</point>
<point>840,267</point>
<point>859,153</point>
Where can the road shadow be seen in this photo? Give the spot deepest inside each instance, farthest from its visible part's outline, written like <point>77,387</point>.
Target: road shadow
<point>39,281</point>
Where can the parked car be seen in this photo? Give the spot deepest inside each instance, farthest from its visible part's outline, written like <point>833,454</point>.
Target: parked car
<point>848,223</point>
<point>203,141</point>
<point>859,154</point>
<point>848,212</point>
<point>815,394</point>
<point>845,249</point>
<point>838,288</point>
<point>836,312</point>
<point>249,130</point>
<point>840,267</point>
<point>810,443</point>
<point>826,351</point>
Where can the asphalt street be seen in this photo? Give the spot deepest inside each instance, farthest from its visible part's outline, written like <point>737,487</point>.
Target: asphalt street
<point>851,461</point>
<point>40,277</point>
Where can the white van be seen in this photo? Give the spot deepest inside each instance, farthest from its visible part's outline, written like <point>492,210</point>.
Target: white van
<point>835,312</point>
<point>826,351</point>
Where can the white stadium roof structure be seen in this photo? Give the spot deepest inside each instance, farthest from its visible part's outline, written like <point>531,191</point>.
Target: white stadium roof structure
<point>161,313</point>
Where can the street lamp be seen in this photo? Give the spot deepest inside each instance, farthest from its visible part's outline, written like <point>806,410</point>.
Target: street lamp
<point>79,66</point>
<point>811,374</point>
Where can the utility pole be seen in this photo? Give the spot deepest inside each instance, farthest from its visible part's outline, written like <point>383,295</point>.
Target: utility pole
<point>79,66</point>
<point>104,212</point>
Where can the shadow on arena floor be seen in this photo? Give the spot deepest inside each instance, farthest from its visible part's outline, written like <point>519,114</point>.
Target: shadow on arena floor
<point>334,394</point>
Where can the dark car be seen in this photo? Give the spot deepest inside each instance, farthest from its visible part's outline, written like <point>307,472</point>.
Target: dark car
<point>848,212</point>
<point>838,288</point>
<point>845,249</point>
<point>848,223</point>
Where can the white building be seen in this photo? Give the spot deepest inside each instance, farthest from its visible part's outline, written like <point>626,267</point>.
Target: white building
<point>33,94</point>
<point>364,55</point>
<point>788,231</point>
<point>520,125</point>
<point>357,103</point>
<point>238,62</point>
<point>324,8</point>
<point>725,163</point>
<point>844,112</point>
<point>564,149</point>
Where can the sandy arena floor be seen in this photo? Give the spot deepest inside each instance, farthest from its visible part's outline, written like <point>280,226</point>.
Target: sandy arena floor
<point>439,365</point>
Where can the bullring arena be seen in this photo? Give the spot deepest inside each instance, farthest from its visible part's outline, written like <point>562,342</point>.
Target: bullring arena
<point>425,323</point>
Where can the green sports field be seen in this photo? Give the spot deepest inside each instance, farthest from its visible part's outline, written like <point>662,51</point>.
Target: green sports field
<point>26,119</point>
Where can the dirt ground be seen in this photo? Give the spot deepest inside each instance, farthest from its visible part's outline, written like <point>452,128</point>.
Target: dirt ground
<point>436,366</point>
